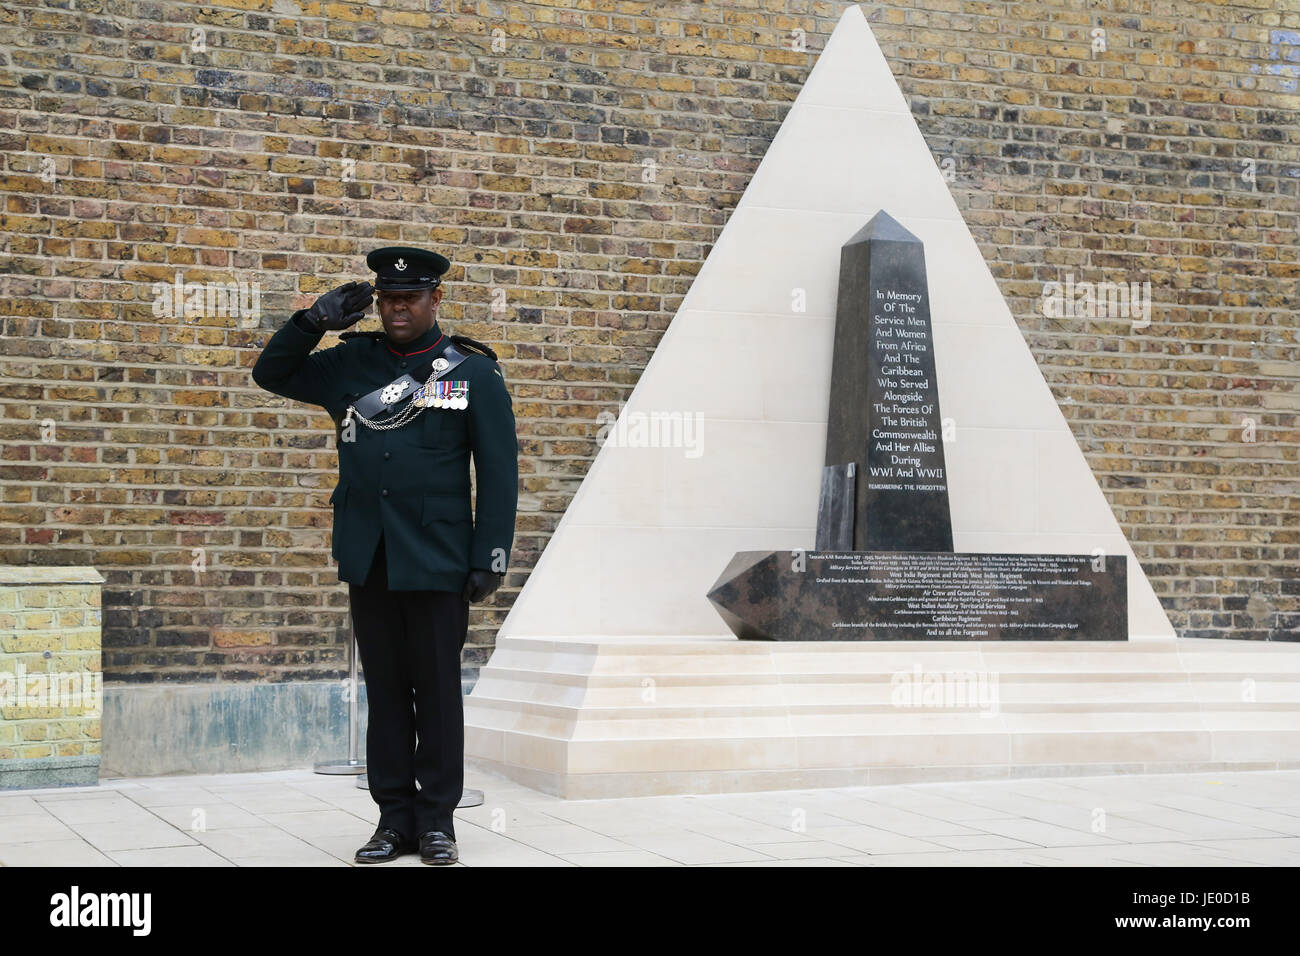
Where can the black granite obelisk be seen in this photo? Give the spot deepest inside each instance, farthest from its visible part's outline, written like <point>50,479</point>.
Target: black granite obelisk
<point>883,566</point>
<point>884,400</point>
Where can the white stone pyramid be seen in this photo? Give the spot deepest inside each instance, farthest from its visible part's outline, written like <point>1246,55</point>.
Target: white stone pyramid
<point>749,352</point>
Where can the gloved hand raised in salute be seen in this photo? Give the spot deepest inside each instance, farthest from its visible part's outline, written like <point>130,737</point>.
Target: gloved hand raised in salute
<point>339,308</point>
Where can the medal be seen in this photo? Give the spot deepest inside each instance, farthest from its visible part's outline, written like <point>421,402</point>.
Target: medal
<point>442,394</point>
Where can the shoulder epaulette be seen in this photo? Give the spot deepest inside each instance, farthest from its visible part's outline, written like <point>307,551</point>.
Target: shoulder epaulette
<point>464,341</point>
<point>362,335</point>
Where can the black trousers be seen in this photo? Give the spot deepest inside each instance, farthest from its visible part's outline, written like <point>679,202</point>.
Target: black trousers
<point>410,644</point>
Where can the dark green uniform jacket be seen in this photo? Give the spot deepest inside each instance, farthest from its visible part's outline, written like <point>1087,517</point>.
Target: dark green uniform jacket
<point>412,482</point>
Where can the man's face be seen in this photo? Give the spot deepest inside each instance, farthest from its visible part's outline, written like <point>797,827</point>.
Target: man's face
<point>407,315</point>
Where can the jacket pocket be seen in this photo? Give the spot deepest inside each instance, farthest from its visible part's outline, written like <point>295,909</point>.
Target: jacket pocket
<point>447,508</point>
<point>431,431</point>
<point>447,534</point>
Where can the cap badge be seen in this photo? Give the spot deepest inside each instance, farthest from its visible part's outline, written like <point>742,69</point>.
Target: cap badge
<point>400,265</point>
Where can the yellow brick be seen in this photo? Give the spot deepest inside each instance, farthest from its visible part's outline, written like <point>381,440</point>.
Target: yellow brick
<point>23,642</point>
<point>86,639</point>
<point>222,637</point>
<point>34,597</point>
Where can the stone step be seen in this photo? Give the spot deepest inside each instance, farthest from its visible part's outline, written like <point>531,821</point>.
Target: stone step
<point>618,718</point>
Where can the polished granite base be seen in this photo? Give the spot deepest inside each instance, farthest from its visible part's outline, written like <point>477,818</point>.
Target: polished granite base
<point>922,595</point>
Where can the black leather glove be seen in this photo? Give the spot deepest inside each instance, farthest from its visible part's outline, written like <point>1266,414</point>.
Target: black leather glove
<point>339,308</point>
<point>480,584</point>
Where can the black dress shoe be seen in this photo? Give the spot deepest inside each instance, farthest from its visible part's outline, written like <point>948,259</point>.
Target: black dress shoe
<point>437,848</point>
<point>385,845</point>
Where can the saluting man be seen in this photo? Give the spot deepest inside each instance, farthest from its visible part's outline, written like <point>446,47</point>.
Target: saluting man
<point>411,405</point>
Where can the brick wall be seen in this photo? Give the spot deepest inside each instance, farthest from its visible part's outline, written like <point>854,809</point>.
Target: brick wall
<point>276,141</point>
<point>51,681</point>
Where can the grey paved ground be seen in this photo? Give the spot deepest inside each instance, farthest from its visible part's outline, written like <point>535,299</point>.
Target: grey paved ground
<point>297,818</point>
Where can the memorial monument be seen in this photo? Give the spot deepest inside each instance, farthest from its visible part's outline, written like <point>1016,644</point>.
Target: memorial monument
<point>884,568</point>
<point>613,673</point>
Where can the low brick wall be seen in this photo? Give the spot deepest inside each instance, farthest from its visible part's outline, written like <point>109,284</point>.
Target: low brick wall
<point>51,676</point>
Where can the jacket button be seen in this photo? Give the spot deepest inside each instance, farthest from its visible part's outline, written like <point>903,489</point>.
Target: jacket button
<point>403,365</point>
<point>387,455</point>
<point>384,492</point>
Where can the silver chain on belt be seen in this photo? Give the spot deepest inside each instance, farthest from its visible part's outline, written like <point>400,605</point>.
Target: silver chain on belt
<point>408,412</point>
